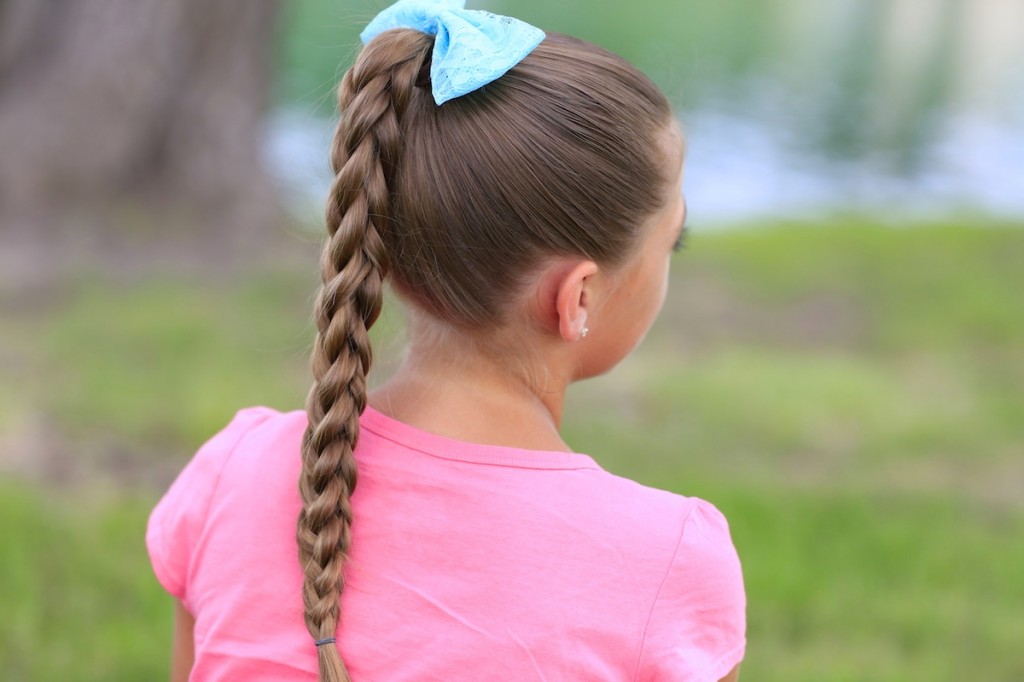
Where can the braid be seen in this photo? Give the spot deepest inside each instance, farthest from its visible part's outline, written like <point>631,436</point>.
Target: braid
<point>373,97</point>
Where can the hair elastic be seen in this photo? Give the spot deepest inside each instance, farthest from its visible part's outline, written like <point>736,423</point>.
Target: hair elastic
<point>325,640</point>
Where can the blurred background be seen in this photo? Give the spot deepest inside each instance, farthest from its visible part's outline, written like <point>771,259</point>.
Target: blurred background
<point>839,367</point>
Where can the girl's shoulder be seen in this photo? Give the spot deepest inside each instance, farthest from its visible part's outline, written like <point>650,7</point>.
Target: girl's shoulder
<point>696,625</point>
<point>645,511</point>
<point>179,519</point>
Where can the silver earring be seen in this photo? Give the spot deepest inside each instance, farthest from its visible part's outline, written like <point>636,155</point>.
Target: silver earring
<point>584,332</point>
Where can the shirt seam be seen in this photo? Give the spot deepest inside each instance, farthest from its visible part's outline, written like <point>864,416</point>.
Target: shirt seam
<point>495,461</point>
<point>160,565</point>
<point>661,587</point>
<point>726,661</point>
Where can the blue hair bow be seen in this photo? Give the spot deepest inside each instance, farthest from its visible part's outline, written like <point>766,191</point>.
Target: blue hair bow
<point>472,47</point>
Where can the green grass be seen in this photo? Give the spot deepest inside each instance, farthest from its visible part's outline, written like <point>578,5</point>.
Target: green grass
<point>78,597</point>
<point>162,360</point>
<point>850,395</point>
<point>935,286</point>
<point>846,586</point>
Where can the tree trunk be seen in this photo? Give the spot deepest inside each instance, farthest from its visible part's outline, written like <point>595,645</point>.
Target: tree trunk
<point>133,111</point>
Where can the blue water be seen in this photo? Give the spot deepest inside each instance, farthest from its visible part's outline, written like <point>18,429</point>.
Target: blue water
<point>741,170</point>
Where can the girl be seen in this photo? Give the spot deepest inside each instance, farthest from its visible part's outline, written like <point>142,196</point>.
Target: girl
<point>522,194</point>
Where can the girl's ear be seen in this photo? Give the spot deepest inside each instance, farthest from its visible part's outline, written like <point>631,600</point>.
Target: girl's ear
<point>574,299</point>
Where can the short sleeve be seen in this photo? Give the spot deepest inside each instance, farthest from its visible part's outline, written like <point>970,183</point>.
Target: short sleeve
<point>178,520</point>
<point>697,627</point>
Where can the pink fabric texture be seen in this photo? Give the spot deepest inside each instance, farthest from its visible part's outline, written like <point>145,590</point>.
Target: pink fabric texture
<point>469,562</point>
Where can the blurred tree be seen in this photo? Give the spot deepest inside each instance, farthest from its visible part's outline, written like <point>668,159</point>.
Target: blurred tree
<point>117,114</point>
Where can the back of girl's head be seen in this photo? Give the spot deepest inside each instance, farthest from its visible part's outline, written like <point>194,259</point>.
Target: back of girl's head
<point>563,156</point>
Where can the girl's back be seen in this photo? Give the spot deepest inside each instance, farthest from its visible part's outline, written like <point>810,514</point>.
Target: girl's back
<point>522,194</point>
<point>469,562</point>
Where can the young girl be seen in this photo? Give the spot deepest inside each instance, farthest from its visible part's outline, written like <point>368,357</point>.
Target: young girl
<point>522,194</point>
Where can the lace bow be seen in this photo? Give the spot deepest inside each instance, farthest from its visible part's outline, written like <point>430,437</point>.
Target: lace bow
<point>472,48</point>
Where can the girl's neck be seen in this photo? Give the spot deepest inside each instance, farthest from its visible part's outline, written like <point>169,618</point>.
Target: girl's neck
<point>449,387</point>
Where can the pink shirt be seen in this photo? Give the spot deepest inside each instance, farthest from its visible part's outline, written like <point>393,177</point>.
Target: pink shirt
<point>469,562</point>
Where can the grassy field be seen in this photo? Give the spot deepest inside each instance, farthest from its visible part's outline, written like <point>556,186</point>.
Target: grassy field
<point>850,395</point>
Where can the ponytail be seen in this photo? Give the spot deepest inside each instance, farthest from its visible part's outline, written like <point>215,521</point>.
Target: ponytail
<point>373,96</point>
<point>563,155</point>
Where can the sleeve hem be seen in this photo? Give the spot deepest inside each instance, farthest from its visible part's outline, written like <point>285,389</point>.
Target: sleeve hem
<point>727,662</point>
<point>156,559</point>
